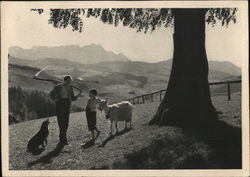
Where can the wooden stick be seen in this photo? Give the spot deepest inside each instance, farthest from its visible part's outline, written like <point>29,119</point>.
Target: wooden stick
<point>55,82</point>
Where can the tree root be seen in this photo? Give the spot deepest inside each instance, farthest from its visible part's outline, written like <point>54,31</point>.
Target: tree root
<point>185,116</point>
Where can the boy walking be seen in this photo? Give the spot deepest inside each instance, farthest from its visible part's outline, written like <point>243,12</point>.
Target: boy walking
<point>91,109</point>
<point>63,95</point>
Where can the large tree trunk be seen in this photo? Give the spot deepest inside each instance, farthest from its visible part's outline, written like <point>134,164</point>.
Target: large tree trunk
<point>187,100</point>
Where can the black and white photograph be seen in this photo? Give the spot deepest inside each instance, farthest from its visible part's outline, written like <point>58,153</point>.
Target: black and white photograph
<point>125,86</point>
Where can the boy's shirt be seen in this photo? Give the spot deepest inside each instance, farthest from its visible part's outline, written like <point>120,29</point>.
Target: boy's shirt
<point>93,104</point>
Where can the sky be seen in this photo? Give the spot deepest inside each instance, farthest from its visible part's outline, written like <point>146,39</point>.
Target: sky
<point>28,29</point>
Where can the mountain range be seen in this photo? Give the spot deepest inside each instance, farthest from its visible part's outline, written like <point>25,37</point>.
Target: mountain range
<point>87,54</point>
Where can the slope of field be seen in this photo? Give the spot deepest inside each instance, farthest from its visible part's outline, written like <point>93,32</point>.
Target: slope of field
<point>23,76</point>
<point>107,150</point>
<point>114,80</point>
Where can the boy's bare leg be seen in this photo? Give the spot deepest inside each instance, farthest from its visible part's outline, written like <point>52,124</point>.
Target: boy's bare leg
<point>93,135</point>
<point>98,132</point>
<point>111,127</point>
<point>116,128</point>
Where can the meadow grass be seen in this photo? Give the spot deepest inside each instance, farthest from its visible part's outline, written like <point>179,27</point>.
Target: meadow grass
<point>143,147</point>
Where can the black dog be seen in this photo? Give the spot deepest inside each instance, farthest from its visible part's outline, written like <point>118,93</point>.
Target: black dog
<point>40,139</point>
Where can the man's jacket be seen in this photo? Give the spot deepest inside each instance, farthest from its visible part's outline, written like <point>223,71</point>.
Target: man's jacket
<point>56,93</point>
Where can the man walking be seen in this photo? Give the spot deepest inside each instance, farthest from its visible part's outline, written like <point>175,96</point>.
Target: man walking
<point>63,95</point>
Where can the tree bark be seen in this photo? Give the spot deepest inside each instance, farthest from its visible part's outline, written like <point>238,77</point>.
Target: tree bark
<point>187,100</point>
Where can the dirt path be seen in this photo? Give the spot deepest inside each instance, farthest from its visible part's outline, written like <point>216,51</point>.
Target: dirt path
<point>106,150</point>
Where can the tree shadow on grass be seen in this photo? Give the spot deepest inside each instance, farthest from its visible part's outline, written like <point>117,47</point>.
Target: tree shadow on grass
<point>225,141</point>
<point>48,157</point>
<point>206,145</point>
<point>110,137</point>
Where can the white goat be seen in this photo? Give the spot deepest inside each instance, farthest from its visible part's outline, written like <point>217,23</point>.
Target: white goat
<point>117,112</point>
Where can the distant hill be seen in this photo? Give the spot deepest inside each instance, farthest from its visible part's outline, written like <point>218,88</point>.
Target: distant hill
<point>225,67</point>
<point>87,54</point>
<point>114,80</point>
<point>23,76</point>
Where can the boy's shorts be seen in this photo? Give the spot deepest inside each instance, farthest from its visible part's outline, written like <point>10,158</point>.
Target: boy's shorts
<point>91,120</point>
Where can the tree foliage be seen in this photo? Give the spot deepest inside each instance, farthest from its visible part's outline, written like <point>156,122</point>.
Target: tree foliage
<point>142,19</point>
<point>32,104</point>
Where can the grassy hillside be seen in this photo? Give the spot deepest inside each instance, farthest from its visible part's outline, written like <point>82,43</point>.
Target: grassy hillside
<point>23,76</point>
<point>114,80</point>
<point>176,149</point>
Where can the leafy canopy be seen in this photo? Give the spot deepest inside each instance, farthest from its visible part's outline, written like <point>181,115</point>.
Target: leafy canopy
<point>141,19</point>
